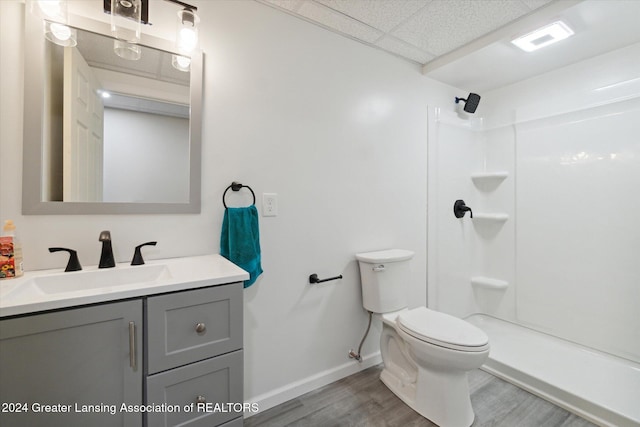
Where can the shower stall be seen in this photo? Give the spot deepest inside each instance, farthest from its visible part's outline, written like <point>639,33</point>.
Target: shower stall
<point>549,266</point>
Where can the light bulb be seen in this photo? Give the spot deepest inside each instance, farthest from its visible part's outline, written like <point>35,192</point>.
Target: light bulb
<point>181,63</point>
<point>187,37</point>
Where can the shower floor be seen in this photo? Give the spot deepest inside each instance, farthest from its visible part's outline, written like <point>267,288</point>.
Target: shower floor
<point>597,386</point>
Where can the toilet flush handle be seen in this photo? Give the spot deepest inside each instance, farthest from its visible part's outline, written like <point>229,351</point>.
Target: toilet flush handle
<point>379,267</point>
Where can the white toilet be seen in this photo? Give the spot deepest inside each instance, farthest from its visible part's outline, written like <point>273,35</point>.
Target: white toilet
<point>426,354</point>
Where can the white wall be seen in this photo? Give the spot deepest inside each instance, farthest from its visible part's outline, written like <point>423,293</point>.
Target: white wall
<point>337,129</point>
<point>569,250</point>
<point>146,157</point>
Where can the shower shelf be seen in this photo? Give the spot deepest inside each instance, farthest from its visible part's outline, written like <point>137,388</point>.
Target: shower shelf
<point>490,176</point>
<point>489,283</point>
<point>495,217</point>
<point>488,181</point>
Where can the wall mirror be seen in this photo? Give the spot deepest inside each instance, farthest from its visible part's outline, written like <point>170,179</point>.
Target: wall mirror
<point>107,135</point>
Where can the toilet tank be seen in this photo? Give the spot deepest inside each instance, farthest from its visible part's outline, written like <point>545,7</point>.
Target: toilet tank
<point>384,276</point>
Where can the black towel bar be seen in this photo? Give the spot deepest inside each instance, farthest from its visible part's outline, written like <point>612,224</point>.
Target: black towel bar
<point>313,279</point>
<point>236,186</point>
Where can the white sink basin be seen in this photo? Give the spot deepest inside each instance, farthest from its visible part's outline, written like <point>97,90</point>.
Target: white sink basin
<point>83,281</point>
<point>102,278</point>
<point>54,289</point>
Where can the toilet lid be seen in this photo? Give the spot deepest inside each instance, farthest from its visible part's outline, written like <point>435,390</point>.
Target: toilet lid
<point>389,255</point>
<point>443,330</point>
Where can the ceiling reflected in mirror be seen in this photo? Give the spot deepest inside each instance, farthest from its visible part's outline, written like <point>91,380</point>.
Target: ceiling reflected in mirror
<point>155,64</point>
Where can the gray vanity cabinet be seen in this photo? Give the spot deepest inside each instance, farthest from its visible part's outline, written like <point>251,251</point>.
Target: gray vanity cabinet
<point>71,359</point>
<point>194,356</point>
<point>89,361</point>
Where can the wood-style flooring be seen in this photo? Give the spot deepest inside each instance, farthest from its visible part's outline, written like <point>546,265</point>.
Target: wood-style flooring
<point>363,400</point>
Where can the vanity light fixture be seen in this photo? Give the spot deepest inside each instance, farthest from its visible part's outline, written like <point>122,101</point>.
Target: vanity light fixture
<point>543,36</point>
<point>128,15</point>
<point>126,20</point>
<point>55,18</point>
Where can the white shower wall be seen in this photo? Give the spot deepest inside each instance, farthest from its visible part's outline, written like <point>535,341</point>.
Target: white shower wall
<point>462,249</point>
<point>578,239</point>
<point>453,152</point>
<point>568,252</point>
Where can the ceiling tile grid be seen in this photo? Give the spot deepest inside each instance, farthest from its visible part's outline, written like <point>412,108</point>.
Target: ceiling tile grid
<point>403,49</point>
<point>417,30</point>
<point>384,15</point>
<point>337,21</point>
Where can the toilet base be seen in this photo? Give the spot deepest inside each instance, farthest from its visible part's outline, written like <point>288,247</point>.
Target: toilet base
<point>441,397</point>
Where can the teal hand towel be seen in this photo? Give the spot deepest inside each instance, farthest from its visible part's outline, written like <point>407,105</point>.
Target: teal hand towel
<point>240,240</point>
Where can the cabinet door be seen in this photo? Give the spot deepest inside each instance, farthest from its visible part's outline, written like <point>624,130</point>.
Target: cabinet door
<point>185,327</point>
<point>213,386</point>
<point>75,360</point>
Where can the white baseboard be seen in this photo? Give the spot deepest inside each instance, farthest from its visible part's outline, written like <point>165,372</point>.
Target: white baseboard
<point>298,388</point>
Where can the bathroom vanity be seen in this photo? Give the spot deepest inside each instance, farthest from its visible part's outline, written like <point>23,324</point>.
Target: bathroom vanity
<point>160,352</point>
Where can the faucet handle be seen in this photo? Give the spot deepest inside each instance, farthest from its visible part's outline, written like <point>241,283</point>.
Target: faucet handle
<point>74,263</point>
<point>460,208</point>
<point>137,255</point>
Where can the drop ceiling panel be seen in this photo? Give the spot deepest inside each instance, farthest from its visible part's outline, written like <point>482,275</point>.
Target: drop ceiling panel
<point>418,30</point>
<point>444,25</point>
<point>466,43</point>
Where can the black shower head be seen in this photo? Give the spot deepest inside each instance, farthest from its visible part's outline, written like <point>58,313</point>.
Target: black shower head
<point>471,103</point>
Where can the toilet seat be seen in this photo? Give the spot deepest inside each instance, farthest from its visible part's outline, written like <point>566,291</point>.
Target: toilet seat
<point>442,330</point>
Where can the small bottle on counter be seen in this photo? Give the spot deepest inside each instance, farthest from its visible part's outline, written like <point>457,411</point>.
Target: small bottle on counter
<point>10,252</point>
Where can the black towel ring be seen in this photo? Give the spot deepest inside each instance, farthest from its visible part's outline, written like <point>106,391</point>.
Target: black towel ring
<point>236,186</point>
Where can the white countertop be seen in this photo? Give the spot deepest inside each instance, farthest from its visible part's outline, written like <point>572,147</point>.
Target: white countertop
<point>20,296</point>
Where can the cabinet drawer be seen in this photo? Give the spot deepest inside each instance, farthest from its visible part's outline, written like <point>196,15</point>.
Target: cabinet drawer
<point>186,327</point>
<point>212,381</point>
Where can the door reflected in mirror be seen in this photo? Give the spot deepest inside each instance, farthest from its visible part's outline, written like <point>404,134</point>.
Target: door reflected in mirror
<point>124,131</point>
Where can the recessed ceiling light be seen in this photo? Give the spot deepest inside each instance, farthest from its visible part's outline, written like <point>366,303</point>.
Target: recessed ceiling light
<point>544,36</point>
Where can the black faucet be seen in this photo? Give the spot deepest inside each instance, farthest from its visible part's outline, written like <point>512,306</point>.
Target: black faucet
<point>106,257</point>
<point>74,262</point>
